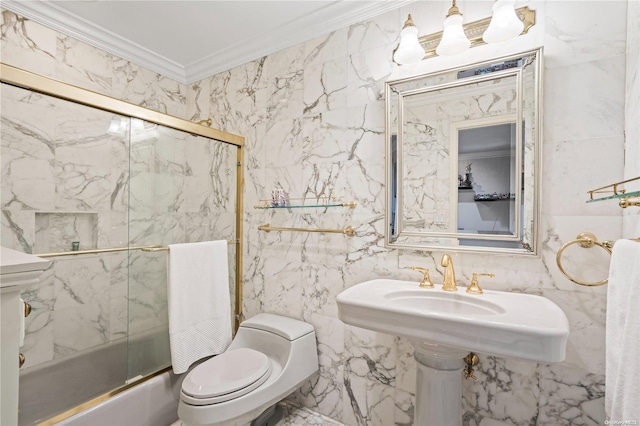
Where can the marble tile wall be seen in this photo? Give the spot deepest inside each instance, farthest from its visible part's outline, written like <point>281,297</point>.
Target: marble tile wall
<point>313,116</point>
<point>313,119</point>
<point>71,173</point>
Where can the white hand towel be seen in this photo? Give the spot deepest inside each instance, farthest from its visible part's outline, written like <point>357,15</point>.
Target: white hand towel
<point>199,302</point>
<point>622,389</point>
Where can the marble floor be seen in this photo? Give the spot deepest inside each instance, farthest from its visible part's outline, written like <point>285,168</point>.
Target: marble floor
<point>296,415</point>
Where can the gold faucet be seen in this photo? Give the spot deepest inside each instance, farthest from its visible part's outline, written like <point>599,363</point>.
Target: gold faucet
<point>474,287</point>
<point>426,280</point>
<point>449,283</point>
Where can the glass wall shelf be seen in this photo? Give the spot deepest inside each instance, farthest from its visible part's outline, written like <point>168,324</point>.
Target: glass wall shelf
<point>302,203</point>
<point>617,196</point>
<point>617,192</point>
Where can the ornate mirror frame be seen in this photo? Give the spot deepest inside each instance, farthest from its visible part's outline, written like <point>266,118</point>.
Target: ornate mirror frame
<point>525,69</point>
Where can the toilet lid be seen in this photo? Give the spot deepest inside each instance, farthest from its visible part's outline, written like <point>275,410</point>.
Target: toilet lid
<point>227,373</point>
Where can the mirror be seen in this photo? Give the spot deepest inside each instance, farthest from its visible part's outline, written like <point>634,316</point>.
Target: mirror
<point>463,156</point>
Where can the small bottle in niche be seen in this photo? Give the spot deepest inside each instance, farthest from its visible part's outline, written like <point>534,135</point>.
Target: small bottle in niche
<point>75,245</point>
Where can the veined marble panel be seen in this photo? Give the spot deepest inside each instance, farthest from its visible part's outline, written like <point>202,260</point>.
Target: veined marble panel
<point>134,84</point>
<point>325,86</point>
<point>380,31</point>
<point>326,48</point>
<point>283,281</point>
<point>171,97</point>
<point>18,230</point>
<point>573,41</point>
<point>204,227</point>
<point>222,101</point>
<point>285,84</point>
<point>28,45</point>
<point>251,85</point>
<point>83,65</point>
<point>506,390</point>
<point>367,402</point>
<point>81,307</point>
<point>147,291</point>
<point>198,100</point>
<point>284,142</point>
<point>570,396</point>
<point>569,194</point>
<point>367,72</point>
<point>324,390</point>
<point>573,113</point>
<point>118,264</point>
<point>28,149</point>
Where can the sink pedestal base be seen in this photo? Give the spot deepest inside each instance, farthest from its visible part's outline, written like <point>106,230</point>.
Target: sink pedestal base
<point>438,385</point>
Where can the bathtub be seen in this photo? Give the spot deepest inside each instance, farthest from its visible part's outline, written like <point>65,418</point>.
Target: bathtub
<point>53,387</point>
<point>151,403</point>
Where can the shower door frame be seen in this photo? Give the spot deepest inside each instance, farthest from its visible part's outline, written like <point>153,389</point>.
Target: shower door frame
<point>37,83</point>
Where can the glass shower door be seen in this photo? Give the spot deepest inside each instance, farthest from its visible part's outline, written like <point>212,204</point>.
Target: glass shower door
<point>182,189</point>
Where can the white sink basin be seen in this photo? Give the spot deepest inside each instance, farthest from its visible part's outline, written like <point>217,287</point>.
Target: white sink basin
<point>497,323</point>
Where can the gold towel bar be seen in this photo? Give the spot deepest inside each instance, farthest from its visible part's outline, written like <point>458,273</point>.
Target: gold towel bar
<point>348,231</point>
<point>585,240</point>
<point>150,248</point>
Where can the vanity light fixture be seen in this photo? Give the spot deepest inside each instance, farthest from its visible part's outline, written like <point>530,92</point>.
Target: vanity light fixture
<point>409,50</point>
<point>504,24</point>
<point>454,40</point>
<point>500,27</point>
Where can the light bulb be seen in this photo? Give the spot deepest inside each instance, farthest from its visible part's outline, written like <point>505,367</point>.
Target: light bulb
<point>454,40</point>
<point>504,24</point>
<point>409,50</point>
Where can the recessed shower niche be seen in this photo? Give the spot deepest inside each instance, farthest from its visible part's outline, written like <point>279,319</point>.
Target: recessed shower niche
<point>65,231</point>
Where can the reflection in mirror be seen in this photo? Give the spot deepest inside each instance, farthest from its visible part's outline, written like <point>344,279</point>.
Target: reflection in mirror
<point>461,170</point>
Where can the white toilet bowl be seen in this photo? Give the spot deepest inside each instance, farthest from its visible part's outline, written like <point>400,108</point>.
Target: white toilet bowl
<point>270,357</point>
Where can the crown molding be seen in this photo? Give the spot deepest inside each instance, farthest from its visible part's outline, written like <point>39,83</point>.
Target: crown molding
<point>57,18</point>
<point>331,18</point>
<point>334,16</point>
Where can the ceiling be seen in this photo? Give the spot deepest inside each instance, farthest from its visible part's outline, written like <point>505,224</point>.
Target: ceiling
<point>191,40</point>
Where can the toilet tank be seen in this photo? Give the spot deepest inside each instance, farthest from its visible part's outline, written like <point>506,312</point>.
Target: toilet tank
<point>285,327</point>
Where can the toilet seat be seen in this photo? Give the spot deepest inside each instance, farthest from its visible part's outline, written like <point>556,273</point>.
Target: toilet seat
<point>227,376</point>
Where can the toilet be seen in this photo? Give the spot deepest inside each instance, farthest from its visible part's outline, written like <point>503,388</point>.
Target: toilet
<point>270,357</point>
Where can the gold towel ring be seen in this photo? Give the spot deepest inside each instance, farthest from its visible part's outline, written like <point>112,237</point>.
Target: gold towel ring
<point>584,240</point>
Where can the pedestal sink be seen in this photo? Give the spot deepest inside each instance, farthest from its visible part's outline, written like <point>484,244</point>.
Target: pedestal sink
<point>444,326</point>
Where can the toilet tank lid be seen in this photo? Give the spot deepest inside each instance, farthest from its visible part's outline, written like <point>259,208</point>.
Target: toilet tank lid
<point>288,328</point>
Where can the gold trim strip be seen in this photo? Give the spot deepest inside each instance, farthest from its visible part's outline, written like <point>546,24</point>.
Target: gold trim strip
<point>239,232</point>
<point>38,83</point>
<point>348,231</point>
<point>151,248</point>
<point>474,31</point>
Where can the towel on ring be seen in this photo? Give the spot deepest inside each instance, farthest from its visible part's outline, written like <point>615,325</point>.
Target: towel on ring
<point>622,388</point>
<point>199,302</point>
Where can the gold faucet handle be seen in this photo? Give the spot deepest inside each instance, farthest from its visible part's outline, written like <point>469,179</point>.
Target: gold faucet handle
<point>474,288</point>
<point>426,279</point>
